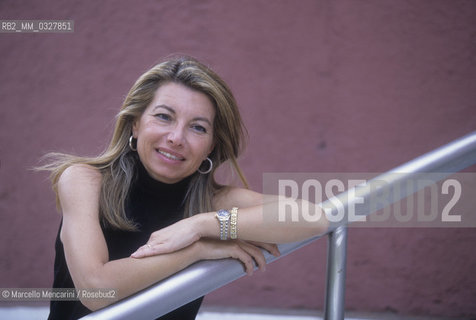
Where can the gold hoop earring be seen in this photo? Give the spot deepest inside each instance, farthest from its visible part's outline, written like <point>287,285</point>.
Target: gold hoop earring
<point>130,143</point>
<point>209,169</point>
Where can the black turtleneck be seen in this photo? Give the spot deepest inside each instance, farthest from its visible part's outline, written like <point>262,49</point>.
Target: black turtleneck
<point>152,205</point>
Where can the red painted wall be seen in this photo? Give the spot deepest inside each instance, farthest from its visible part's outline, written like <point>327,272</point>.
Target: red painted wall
<point>324,86</point>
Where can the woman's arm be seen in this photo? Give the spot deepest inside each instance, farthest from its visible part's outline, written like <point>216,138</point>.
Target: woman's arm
<point>86,250</point>
<point>267,219</point>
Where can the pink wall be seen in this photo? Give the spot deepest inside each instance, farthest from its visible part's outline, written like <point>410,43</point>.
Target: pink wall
<point>324,86</point>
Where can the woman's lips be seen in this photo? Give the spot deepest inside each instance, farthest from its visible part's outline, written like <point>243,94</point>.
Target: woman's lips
<point>171,155</point>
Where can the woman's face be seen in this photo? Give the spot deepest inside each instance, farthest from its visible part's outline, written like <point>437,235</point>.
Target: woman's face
<point>175,132</point>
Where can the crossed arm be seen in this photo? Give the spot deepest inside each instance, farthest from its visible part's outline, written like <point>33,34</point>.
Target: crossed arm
<point>258,220</point>
<point>171,249</point>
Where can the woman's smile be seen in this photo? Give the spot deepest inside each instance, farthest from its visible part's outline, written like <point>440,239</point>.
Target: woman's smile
<point>170,155</point>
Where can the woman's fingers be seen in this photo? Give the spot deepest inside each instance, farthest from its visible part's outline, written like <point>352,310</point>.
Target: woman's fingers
<point>255,253</point>
<point>270,247</point>
<point>151,249</point>
<point>245,252</point>
<point>245,258</point>
<point>144,251</point>
<point>252,248</point>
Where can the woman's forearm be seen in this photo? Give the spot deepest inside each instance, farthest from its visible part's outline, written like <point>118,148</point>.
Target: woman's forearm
<point>129,275</point>
<point>279,221</point>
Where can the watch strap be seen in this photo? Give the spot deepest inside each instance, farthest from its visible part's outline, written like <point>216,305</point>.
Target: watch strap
<point>223,217</point>
<point>234,223</point>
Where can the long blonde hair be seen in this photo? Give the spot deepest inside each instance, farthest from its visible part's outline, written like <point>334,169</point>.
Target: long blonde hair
<point>118,162</point>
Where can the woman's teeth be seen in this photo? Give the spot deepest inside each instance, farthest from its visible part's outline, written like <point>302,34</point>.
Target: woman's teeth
<point>168,155</point>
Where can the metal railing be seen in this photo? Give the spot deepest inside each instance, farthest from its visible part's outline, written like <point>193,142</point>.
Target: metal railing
<point>205,276</point>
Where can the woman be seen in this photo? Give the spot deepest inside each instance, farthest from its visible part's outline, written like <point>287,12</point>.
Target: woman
<point>130,216</point>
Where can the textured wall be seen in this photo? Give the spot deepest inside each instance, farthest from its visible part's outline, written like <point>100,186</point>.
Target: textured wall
<point>333,86</point>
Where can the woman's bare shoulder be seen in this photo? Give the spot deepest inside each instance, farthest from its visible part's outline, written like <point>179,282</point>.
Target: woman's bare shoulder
<point>80,173</point>
<point>79,183</point>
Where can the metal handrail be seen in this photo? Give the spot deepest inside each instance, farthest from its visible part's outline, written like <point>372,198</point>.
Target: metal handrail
<point>205,276</point>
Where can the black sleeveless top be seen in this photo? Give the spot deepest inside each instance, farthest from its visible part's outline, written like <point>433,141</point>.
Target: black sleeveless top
<point>152,205</point>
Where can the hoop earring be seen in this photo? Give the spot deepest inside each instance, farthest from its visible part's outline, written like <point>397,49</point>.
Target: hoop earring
<point>209,169</point>
<point>130,143</point>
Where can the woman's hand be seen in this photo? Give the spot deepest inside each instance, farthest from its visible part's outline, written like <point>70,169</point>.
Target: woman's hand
<point>246,252</point>
<point>186,232</point>
<point>170,239</point>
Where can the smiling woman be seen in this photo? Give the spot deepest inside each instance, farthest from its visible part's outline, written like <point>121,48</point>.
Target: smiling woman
<point>174,135</point>
<point>146,207</point>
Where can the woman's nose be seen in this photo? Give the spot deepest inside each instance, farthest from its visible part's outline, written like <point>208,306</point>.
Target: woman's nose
<point>175,137</point>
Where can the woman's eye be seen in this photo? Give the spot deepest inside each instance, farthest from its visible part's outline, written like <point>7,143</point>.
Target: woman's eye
<point>163,116</point>
<point>199,128</point>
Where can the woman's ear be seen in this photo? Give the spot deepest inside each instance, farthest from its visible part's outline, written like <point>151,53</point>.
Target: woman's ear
<point>135,128</point>
<point>212,147</point>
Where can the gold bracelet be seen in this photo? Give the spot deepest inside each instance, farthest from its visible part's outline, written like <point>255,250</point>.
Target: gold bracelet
<point>233,223</point>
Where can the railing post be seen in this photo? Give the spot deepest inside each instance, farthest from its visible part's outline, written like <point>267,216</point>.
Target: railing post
<point>336,261</point>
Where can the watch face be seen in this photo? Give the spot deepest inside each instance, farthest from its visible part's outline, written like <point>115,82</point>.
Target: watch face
<point>223,214</point>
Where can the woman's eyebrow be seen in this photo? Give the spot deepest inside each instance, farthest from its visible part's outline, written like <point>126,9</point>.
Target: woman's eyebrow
<point>165,107</point>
